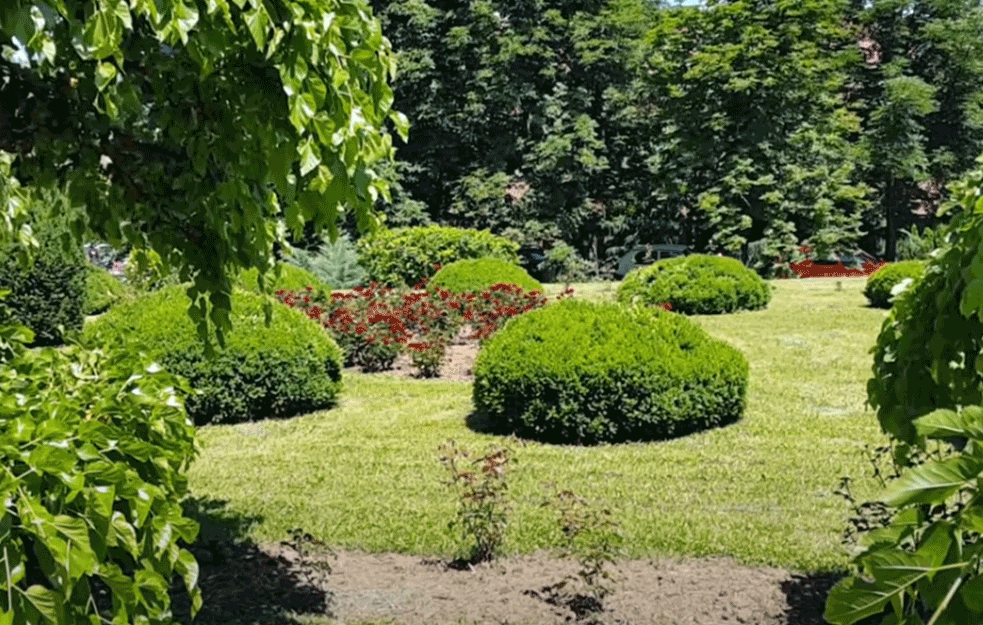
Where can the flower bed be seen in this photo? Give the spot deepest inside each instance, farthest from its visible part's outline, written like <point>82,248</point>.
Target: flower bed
<point>375,324</point>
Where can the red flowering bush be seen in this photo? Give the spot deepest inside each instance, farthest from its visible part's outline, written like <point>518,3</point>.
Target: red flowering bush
<point>374,324</point>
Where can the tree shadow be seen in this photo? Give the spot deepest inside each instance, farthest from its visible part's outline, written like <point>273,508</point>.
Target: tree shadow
<point>806,598</point>
<point>241,583</point>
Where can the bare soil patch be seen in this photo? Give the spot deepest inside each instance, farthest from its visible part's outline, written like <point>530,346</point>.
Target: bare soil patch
<point>273,584</point>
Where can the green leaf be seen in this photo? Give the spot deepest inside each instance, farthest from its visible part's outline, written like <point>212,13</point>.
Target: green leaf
<point>945,423</point>
<point>972,299</point>
<point>972,594</point>
<point>102,34</point>
<point>51,459</point>
<point>258,22</point>
<point>932,482</point>
<point>402,124</point>
<point>105,73</point>
<point>310,156</point>
<point>853,599</point>
<point>186,17</point>
<point>125,534</point>
<point>49,603</point>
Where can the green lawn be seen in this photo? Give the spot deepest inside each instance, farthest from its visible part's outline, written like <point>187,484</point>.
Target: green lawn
<point>365,475</point>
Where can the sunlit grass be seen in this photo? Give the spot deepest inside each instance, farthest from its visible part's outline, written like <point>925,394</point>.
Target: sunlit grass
<point>365,475</point>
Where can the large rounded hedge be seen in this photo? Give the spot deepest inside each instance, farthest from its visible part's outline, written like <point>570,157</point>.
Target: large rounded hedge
<point>585,372</point>
<point>879,284</point>
<point>476,275</point>
<point>293,367</point>
<point>402,256</point>
<point>696,285</point>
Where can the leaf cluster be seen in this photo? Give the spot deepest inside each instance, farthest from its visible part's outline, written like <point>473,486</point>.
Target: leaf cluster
<point>474,275</point>
<point>880,289</point>
<point>91,480</point>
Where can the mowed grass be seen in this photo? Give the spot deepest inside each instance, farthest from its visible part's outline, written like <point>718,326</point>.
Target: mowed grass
<point>365,475</point>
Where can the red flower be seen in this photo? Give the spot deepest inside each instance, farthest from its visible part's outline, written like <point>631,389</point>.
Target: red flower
<point>309,288</point>
<point>361,329</point>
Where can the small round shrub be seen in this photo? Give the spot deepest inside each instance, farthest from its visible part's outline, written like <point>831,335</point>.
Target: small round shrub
<point>879,284</point>
<point>696,285</point>
<point>401,257</point>
<point>476,275</point>
<point>586,372</point>
<point>103,290</point>
<point>293,367</point>
<point>291,279</point>
<point>48,297</point>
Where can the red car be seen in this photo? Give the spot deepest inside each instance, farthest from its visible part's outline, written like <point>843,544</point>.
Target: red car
<point>857,263</point>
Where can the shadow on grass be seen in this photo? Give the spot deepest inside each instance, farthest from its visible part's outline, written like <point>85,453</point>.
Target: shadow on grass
<point>240,583</point>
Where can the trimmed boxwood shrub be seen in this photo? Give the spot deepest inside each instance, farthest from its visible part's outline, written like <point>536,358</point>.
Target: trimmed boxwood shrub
<point>587,372</point>
<point>291,279</point>
<point>476,275</point>
<point>103,290</point>
<point>402,256</point>
<point>293,367</point>
<point>52,292</point>
<point>696,285</point>
<point>879,284</point>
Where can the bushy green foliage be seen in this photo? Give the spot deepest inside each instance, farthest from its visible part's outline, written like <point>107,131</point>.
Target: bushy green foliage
<point>402,256</point>
<point>93,449</point>
<point>476,275</point>
<point>291,279</point>
<point>928,353</point>
<point>696,285</point>
<point>563,264</point>
<point>881,282</point>
<point>292,367</point>
<point>145,272</point>
<point>586,372</point>
<point>103,290</point>
<point>335,263</point>
<point>49,297</point>
<point>919,246</point>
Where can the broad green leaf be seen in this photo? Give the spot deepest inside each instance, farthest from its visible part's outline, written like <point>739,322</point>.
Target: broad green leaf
<point>125,534</point>
<point>258,22</point>
<point>402,124</point>
<point>310,156</point>
<point>972,594</point>
<point>935,544</point>
<point>932,482</point>
<point>972,299</point>
<point>102,34</point>
<point>105,74</point>
<point>186,17</point>
<point>945,423</point>
<point>49,603</point>
<point>853,599</point>
<point>51,459</point>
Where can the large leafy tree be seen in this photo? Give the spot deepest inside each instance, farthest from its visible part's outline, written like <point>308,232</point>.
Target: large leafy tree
<point>754,142</point>
<point>190,126</point>
<point>921,93</point>
<point>524,119</point>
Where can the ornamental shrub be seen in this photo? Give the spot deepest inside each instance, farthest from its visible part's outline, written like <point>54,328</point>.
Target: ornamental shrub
<point>292,367</point>
<point>928,353</point>
<point>477,274</point>
<point>586,372</point>
<point>881,282</point>
<point>291,279</point>
<point>696,285</point>
<point>103,290</point>
<point>334,263</point>
<point>402,256</point>
<point>93,450</point>
<point>49,297</point>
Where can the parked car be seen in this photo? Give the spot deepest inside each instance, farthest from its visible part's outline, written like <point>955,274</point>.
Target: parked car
<point>533,260</point>
<point>642,255</point>
<point>853,263</point>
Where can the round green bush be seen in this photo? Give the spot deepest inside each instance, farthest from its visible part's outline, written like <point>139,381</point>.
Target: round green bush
<point>476,275</point>
<point>292,278</point>
<point>401,257</point>
<point>293,367</point>
<point>585,372</point>
<point>48,297</point>
<point>103,290</point>
<point>879,284</point>
<point>696,285</point>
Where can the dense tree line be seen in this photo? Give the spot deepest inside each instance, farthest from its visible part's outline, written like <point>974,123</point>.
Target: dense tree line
<point>747,126</point>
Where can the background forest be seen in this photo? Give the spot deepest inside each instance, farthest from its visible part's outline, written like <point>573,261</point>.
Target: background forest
<point>746,127</point>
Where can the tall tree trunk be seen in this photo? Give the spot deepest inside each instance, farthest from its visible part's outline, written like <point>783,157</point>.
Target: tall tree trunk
<point>891,208</point>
